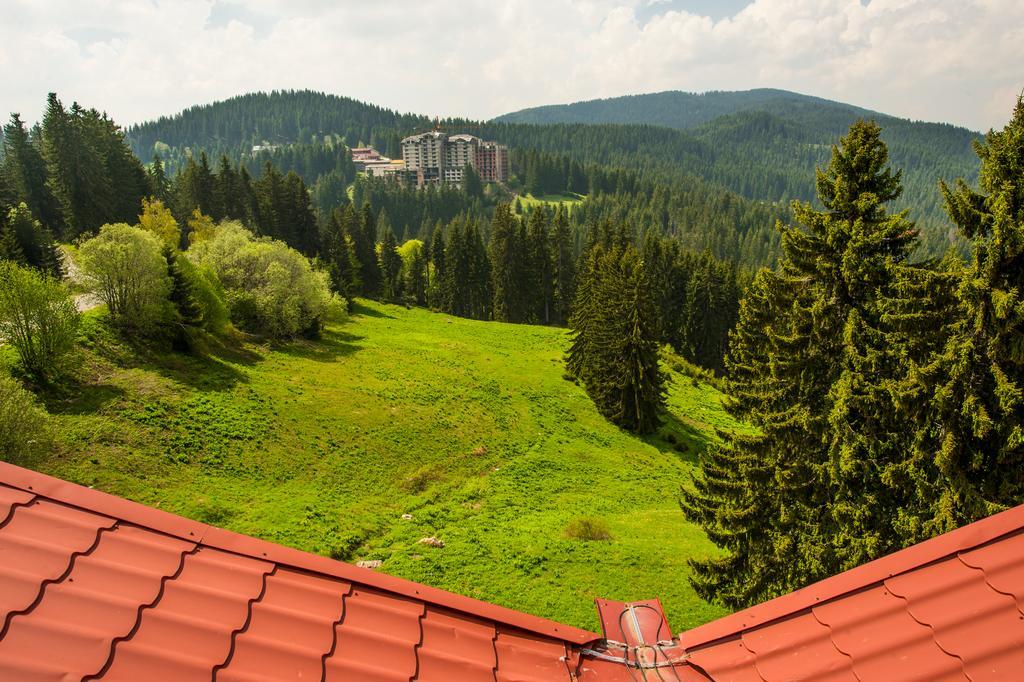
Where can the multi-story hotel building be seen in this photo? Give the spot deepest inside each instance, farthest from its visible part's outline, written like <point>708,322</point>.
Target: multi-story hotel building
<point>438,157</point>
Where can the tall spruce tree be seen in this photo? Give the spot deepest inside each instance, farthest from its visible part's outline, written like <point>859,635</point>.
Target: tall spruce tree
<point>563,268</point>
<point>974,456</point>
<point>390,266</point>
<point>437,295</point>
<point>24,170</point>
<point>785,502</point>
<point>508,267</point>
<point>24,240</point>
<point>614,351</point>
<point>365,237</point>
<point>539,277</point>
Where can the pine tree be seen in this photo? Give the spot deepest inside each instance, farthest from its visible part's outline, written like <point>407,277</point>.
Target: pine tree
<point>976,462</point>
<point>76,175</point>
<point>159,185</point>
<point>364,237</point>
<point>189,312</point>
<point>10,249</point>
<point>27,242</point>
<point>437,295</point>
<point>390,267</point>
<point>339,253</point>
<point>24,171</point>
<point>583,316</point>
<point>792,503</point>
<point>641,384</point>
<point>538,278</point>
<point>614,351</point>
<point>563,268</point>
<point>507,255</point>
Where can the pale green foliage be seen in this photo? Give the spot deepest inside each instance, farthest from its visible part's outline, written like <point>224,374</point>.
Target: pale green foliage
<point>38,318</point>
<point>24,426</point>
<point>125,267</point>
<point>410,250</point>
<point>270,288</point>
<point>589,529</point>
<point>157,218</point>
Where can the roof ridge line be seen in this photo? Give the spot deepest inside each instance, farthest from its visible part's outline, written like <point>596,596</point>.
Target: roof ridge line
<point>105,504</point>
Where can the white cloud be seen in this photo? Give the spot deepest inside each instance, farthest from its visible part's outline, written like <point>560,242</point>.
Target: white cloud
<point>950,60</point>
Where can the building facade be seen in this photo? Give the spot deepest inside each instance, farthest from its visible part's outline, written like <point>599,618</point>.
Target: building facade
<point>438,157</point>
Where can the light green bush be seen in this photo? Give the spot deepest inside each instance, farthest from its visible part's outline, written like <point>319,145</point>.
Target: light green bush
<point>24,426</point>
<point>270,288</point>
<point>589,529</point>
<point>126,268</point>
<point>38,318</point>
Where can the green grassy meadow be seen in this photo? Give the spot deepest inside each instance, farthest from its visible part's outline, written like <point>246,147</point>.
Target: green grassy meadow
<point>567,200</point>
<point>468,426</point>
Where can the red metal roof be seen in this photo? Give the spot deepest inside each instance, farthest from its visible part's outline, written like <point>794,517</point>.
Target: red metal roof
<point>97,587</point>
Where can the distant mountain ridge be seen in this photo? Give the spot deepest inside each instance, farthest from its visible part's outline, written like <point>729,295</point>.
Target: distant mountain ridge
<point>678,109</point>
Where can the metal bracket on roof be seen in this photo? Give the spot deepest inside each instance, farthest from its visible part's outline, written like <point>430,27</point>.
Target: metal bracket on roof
<point>637,636</point>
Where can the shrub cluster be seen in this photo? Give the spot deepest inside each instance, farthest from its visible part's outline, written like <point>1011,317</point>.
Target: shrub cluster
<point>270,288</point>
<point>24,426</point>
<point>38,318</point>
<point>227,275</point>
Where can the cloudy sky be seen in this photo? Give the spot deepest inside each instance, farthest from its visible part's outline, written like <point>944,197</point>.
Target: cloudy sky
<point>960,61</point>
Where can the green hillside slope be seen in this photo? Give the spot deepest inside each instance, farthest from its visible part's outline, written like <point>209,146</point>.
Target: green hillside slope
<point>468,426</point>
<point>672,108</point>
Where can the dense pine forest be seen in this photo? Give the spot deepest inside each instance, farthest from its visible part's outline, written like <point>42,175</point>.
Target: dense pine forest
<point>880,368</point>
<point>747,154</point>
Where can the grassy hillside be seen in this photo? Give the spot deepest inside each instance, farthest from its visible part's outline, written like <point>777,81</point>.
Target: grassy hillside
<point>468,426</point>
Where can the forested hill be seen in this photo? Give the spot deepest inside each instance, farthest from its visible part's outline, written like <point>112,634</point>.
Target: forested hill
<point>762,145</point>
<point>765,144</point>
<point>673,108</point>
<point>260,118</point>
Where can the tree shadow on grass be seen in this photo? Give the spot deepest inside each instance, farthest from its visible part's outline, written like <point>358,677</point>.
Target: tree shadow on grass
<point>201,372</point>
<point>332,345</point>
<point>81,398</point>
<point>360,309</point>
<point>681,439</point>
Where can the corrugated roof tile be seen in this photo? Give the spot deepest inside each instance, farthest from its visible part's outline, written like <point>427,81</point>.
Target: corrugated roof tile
<point>456,648</point>
<point>9,498</point>
<point>1002,565</point>
<point>291,630</point>
<point>526,658</point>
<point>89,582</point>
<point>798,647</point>
<point>378,632</point>
<point>96,602</point>
<point>883,641</point>
<point>199,612</point>
<point>727,660</point>
<point>969,620</point>
<point>39,544</point>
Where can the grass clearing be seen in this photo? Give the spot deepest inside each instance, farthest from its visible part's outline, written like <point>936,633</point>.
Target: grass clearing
<point>468,426</point>
<point>567,200</point>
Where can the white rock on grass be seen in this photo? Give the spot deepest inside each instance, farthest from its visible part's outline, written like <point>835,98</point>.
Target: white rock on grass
<point>369,563</point>
<point>432,542</point>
